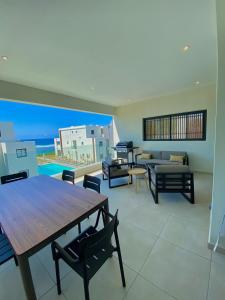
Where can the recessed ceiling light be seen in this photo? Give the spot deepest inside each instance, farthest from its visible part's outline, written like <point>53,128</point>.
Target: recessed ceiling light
<point>197,82</point>
<point>4,57</point>
<point>92,88</point>
<point>186,48</point>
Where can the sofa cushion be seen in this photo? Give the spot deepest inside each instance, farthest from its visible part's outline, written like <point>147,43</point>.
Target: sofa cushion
<point>157,162</point>
<point>145,156</point>
<point>168,162</point>
<point>166,154</point>
<point>171,169</point>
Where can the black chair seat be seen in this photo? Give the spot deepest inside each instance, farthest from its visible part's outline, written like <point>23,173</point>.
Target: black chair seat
<point>93,183</point>
<point>6,251</point>
<point>94,262</point>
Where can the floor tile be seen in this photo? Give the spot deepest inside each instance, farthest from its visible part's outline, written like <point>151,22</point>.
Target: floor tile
<point>135,244</point>
<point>217,282</point>
<point>106,284</point>
<point>148,218</point>
<point>143,290</point>
<point>41,277</point>
<point>11,287</point>
<point>218,258</point>
<point>181,273</point>
<point>185,233</point>
<point>196,212</point>
<point>45,256</point>
<point>52,295</point>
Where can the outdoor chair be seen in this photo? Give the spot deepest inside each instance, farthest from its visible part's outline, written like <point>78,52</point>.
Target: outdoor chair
<point>13,177</point>
<point>92,182</point>
<point>6,250</point>
<point>89,251</point>
<point>171,179</point>
<point>114,169</point>
<point>68,176</point>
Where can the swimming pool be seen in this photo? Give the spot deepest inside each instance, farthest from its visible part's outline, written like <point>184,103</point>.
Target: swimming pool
<point>52,169</point>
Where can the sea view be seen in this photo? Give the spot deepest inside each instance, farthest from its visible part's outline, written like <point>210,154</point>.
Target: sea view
<point>44,146</point>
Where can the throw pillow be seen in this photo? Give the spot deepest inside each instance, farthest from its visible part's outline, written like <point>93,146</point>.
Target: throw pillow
<point>178,158</point>
<point>145,156</point>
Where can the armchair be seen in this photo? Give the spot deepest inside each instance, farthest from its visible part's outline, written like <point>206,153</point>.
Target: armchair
<point>171,179</point>
<point>113,169</point>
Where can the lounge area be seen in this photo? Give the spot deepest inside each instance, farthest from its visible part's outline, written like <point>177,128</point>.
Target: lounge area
<point>129,203</point>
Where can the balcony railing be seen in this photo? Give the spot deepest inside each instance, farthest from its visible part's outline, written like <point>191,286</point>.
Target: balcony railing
<point>78,156</point>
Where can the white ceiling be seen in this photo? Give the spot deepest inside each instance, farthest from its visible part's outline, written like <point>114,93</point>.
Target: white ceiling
<point>108,51</point>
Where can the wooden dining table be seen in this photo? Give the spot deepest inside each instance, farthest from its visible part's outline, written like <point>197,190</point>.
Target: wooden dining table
<point>37,210</point>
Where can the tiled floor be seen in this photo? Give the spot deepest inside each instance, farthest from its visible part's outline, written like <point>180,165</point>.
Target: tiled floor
<point>164,250</point>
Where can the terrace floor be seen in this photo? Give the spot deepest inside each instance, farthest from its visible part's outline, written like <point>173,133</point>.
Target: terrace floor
<point>164,248</point>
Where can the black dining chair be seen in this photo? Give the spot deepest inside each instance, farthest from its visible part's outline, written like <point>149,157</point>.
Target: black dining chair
<point>89,251</point>
<point>13,177</point>
<point>68,176</point>
<point>92,182</point>
<point>6,250</point>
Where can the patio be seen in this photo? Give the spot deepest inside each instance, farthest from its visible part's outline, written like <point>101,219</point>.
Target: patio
<point>164,250</point>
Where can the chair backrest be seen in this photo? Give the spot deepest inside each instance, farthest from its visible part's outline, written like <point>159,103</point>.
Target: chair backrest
<point>100,241</point>
<point>92,182</point>
<point>13,177</point>
<point>68,176</point>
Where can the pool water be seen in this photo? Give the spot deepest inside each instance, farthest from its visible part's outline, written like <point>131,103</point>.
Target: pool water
<point>52,169</point>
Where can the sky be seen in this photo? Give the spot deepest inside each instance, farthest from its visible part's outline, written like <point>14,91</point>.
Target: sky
<point>34,121</point>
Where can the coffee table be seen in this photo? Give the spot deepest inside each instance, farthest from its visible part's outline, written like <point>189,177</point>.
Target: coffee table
<point>138,173</point>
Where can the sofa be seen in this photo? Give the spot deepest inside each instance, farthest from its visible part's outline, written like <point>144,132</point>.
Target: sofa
<point>171,179</point>
<point>161,158</point>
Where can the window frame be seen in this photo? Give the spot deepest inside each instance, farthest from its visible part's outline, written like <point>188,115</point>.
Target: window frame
<point>204,126</point>
<point>21,152</point>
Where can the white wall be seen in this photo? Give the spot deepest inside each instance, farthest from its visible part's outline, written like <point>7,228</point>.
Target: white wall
<point>3,169</point>
<point>14,164</point>
<point>7,132</point>
<point>128,123</point>
<point>218,205</point>
<point>97,132</point>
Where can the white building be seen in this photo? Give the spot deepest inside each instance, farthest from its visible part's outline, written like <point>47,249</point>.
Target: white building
<point>84,144</point>
<point>16,156</point>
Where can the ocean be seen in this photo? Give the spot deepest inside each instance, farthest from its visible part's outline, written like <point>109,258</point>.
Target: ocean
<point>43,146</point>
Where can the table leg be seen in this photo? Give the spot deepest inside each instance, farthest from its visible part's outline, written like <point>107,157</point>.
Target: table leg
<point>106,207</point>
<point>27,277</point>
